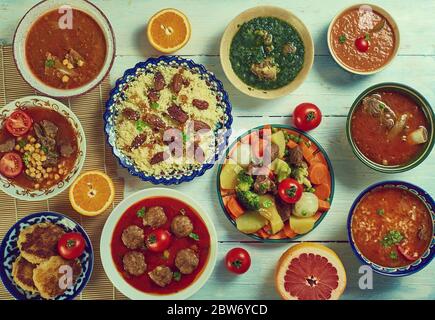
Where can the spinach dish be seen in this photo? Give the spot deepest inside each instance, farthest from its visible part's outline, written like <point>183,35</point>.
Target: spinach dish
<point>267,53</point>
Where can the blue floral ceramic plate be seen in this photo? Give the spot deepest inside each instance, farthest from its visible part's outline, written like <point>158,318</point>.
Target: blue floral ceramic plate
<point>9,252</point>
<point>427,256</point>
<point>222,130</point>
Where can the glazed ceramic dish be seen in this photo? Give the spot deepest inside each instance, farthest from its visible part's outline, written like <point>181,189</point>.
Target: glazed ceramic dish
<point>111,246</point>
<point>404,100</point>
<point>400,261</point>
<point>118,100</point>
<point>272,220</point>
<point>10,251</point>
<point>25,26</point>
<point>8,185</point>
<point>280,15</point>
<point>376,25</point>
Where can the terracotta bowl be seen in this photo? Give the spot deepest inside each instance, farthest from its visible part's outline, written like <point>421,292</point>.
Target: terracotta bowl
<point>389,19</point>
<point>266,11</point>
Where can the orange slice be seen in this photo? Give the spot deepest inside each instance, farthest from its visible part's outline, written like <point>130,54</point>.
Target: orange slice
<point>168,30</point>
<point>310,271</point>
<point>92,193</point>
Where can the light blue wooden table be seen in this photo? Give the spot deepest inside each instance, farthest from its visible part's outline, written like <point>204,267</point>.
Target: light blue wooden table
<point>327,85</point>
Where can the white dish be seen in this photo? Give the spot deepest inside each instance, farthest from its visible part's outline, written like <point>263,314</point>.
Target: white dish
<point>106,240</point>
<point>18,192</point>
<point>19,45</point>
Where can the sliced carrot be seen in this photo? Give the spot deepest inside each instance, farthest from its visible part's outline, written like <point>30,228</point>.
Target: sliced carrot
<point>307,151</point>
<point>323,191</point>
<point>292,144</point>
<point>288,231</point>
<point>279,235</point>
<point>263,234</point>
<point>318,157</point>
<point>235,209</point>
<point>317,215</point>
<point>318,173</point>
<point>324,205</point>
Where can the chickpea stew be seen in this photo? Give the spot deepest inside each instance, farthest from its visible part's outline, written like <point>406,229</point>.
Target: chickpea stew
<point>38,148</point>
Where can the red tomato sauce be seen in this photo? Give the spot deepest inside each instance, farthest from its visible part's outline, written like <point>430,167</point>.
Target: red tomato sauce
<point>86,37</point>
<point>391,209</point>
<point>372,138</point>
<point>172,208</point>
<point>66,133</point>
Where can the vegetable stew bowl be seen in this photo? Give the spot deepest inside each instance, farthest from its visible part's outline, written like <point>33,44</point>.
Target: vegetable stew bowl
<point>266,11</point>
<point>8,186</point>
<point>420,101</point>
<point>415,266</point>
<point>222,131</point>
<point>319,149</point>
<point>19,45</point>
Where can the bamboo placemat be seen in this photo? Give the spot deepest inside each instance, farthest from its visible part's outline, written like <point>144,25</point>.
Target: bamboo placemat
<point>89,109</point>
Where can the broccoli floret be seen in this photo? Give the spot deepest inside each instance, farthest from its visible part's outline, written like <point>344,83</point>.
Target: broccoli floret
<point>300,174</point>
<point>250,200</point>
<point>243,177</point>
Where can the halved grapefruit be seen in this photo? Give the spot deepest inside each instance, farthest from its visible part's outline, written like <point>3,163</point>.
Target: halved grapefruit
<point>309,271</point>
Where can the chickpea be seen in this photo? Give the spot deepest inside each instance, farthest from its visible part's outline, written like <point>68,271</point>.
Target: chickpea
<point>39,167</point>
<point>28,172</point>
<point>56,177</point>
<point>37,186</point>
<point>17,147</point>
<point>32,175</point>
<point>61,171</point>
<point>49,169</point>
<point>38,176</point>
<point>45,176</point>
<point>43,158</point>
<point>80,63</point>
<point>38,145</point>
<point>32,169</point>
<point>32,140</point>
<point>65,62</point>
<point>29,137</point>
<point>38,163</point>
<point>65,79</point>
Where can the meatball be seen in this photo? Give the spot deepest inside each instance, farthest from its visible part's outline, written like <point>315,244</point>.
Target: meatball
<point>187,261</point>
<point>133,237</point>
<point>161,275</point>
<point>154,217</point>
<point>181,226</point>
<point>134,263</point>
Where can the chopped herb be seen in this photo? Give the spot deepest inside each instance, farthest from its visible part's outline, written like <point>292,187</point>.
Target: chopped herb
<point>380,212</point>
<point>367,36</point>
<point>22,143</point>
<point>185,137</point>
<point>155,105</point>
<point>26,159</point>
<point>267,204</point>
<point>141,212</point>
<point>194,236</point>
<point>141,125</point>
<point>391,238</point>
<point>381,106</point>
<point>263,187</point>
<point>49,63</point>
<point>174,98</point>
<point>45,149</point>
<point>393,255</point>
<point>342,38</point>
<point>177,276</point>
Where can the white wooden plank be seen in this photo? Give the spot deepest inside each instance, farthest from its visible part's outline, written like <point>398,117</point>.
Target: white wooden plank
<point>209,19</point>
<point>351,178</point>
<point>330,87</point>
<point>258,282</point>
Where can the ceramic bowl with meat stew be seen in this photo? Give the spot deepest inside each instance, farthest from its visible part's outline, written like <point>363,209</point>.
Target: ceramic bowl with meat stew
<point>276,183</point>
<point>64,50</point>
<point>391,228</point>
<point>168,120</point>
<point>363,39</point>
<point>158,244</point>
<point>390,127</point>
<point>42,148</point>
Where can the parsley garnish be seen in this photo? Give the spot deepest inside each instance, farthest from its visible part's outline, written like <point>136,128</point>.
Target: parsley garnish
<point>22,143</point>
<point>49,63</point>
<point>177,276</point>
<point>342,38</point>
<point>391,238</point>
<point>155,105</point>
<point>194,236</point>
<point>141,212</point>
<point>393,255</point>
<point>380,212</point>
<point>141,125</point>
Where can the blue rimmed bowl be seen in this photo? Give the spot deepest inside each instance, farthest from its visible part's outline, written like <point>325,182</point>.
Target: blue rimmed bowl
<point>9,252</point>
<point>227,155</point>
<point>427,256</point>
<point>222,130</point>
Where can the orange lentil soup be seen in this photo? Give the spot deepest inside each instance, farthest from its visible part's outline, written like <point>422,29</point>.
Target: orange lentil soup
<point>391,227</point>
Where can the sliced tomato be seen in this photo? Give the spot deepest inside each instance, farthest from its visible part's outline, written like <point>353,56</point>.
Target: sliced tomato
<point>18,123</point>
<point>405,253</point>
<point>11,165</point>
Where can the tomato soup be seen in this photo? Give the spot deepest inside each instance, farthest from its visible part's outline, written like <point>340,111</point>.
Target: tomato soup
<point>373,28</point>
<point>384,128</point>
<point>391,227</point>
<point>66,58</point>
<point>200,243</point>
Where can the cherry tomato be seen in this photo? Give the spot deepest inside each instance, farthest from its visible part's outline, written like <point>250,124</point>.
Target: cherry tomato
<point>290,191</point>
<point>71,245</point>
<point>362,44</point>
<point>18,123</point>
<point>238,260</point>
<point>11,165</point>
<point>307,116</point>
<point>158,240</point>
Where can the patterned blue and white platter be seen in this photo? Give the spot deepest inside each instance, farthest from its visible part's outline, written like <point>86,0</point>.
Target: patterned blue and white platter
<point>222,131</point>
<point>9,252</point>
<point>427,256</point>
